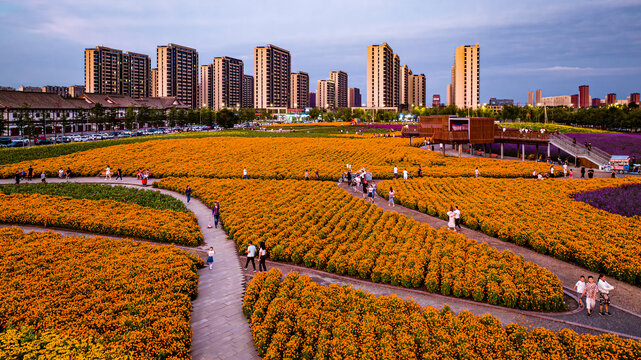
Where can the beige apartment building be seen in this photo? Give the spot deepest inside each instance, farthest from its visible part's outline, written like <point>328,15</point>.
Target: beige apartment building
<point>75,91</point>
<point>538,97</point>
<point>299,90</point>
<point>248,91</point>
<point>404,86</point>
<point>272,68</point>
<point>383,77</point>
<point>341,88</point>
<point>448,95</point>
<point>178,73</point>
<point>326,94</point>
<point>227,83</point>
<point>112,71</point>
<point>154,82</point>
<point>416,90</point>
<point>465,77</point>
<point>60,90</point>
<point>206,90</point>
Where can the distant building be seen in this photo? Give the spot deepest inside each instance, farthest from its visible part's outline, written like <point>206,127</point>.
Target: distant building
<point>500,102</point>
<point>530,98</point>
<point>635,98</point>
<point>416,90</point>
<point>76,90</point>
<point>611,99</point>
<point>154,82</point>
<point>312,99</point>
<point>227,82</point>
<point>114,72</point>
<point>326,92</point>
<point>248,91</point>
<point>539,97</point>
<point>60,90</point>
<point>584,96</point>
<point>574,100</point>
<point>436,100</point>
<point>404,90</point>
<point>30,89</point>
<point>554,101</point>
<point>448,95</point>
<point>596,102</point>
<point>341,87</point>
<point>178,73</point>
<point>272,67</point>
<point>206,86</point>
<point>354,98</point>
<point>465,77</point>
<point>7,88</point>
<point>383,70</point>
<point>299,90</point>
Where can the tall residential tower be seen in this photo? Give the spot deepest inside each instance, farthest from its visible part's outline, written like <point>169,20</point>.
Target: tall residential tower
<point>178,73</point>
<point>272,67</point>
<point>465,77</point>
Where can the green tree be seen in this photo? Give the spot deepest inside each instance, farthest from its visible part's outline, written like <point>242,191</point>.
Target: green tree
<point>193,117</point>
<point>24,121</point>
<point>172,117</point>
<point>130,117</point>
<point>97,116</point>
<point>64,121</point>
<point>226,118</point>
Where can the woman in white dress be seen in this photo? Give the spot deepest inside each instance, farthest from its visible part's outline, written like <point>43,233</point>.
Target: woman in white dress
<point>451,224</point>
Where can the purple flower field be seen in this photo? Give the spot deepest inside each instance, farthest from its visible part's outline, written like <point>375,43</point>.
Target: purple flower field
<point>625,200</point>
<point>614,144</point>
<point>395,127</point>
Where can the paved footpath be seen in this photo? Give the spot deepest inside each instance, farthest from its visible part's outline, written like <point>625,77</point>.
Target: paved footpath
<point>220,330</point>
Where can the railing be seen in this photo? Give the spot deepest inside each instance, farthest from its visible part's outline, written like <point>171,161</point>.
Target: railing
<point>512,134</point>
<point>444,135</point>
<point>566,144</point>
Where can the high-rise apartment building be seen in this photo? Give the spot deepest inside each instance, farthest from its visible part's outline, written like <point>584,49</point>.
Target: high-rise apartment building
<point>404,79</point>
<point>341,86</point>
<point>530,98</point>
<point>272,66</point>
<point>584,96</point>
<point>60,90</point>
<point>574,100</point>
<point>436,100</point>
<point>178,73</point>
<point>227,83</point>
<point>76,90</point>
<point>383,75</point>
<point>112,71</point>
<point>299,90</point>
<point>312,99</point>
<point>354,98</point>
<point>466,76</point>
<point>448,95</point>
<point>248,91</point>
<point>154,82</point>
<point>326,94</point>
<point>635,98</point>
<point>416,90</point>
<point>206,88</point>
<point>611,99</point>
<point>596,102</point>
<point>539,97</point>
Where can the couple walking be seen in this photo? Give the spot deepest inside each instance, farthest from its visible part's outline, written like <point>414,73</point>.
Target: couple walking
<point>454,216</point>
<point>262,256</point>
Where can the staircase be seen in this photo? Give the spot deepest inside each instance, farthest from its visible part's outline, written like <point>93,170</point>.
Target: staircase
<point>596,155</point>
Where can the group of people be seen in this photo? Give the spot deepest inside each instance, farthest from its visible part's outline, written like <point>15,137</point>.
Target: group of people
<point>454,218</point>
<point>263,254</point>
<point>590,290</point>
<point>28,175</point>
<point>406,173</point>
<point>306,176</point>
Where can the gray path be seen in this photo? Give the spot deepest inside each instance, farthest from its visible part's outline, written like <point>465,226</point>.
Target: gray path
<point>220,330</point>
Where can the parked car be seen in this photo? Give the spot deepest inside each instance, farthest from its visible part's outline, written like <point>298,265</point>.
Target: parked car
<point>15,144</point>
<point>5,141</point>
<point>43,141</point>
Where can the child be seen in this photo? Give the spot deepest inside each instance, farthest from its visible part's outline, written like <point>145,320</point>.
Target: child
<point>210,257</point>
<point>590,291</point>
<point>579,287</point>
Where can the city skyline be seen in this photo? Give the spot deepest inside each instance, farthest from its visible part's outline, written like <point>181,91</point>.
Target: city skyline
<point>523,48</point>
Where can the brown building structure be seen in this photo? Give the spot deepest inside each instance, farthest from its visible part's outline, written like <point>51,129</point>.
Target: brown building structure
<point>178,73</point>
<point>574,100</point>
<point>635,98</point>
<point>584,96</point>
<point>248,91</point>
<point>611,99</point>
<point>354,98</point>
<point>341,88</point>
<point>299,90</point>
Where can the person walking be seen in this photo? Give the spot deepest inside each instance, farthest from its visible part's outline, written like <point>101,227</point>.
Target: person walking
<point>590,291</point>
<point>30,173</point>
<point>119,173</point>
<point>582,172</point>
<point>565,169</point>
<point>188,193</point>
<point>251,254</point>
<point>17,177</point>
<point>61,173</point>
<point>571,174</point>
<point>477,173</point>
<point>579,288</point>
<point>451,224</point>
<point>317,175</point>
<point>552,171</point>
<point>43,177</point>
<point>108,173</point>
<point>306,175</point>
<point>245,176</point>
<point>390,200</point>
<point>210,257</point>
<point>370,193</point>
<point>263,254</point>
<point>604,294</point>
<point>216,213</point>
<point>457,218</point>
<point>420,171</point>
<point>590,173</point>
<point>405,174</point>
<point>395,172</point>
<point>68,173</point>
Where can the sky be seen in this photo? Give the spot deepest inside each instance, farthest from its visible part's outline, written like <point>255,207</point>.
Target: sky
<point>550,45</point>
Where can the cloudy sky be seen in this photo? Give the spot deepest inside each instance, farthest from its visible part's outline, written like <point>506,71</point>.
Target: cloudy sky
<point>552,45</point>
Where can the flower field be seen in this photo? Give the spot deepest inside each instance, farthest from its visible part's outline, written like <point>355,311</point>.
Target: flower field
<point>150,199</point>
<point>271,158</point>
<point>538,214</point>
<point>623,200</point>
<point>80,296</point>
<point>552,127</point>
<point>318,225</point>
<point>310,125</point>
<point>100,216</point>
<point>614,144</point>
<point>298,319</point>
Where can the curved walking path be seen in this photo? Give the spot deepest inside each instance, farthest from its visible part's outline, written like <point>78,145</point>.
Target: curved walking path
<point>219,328</point>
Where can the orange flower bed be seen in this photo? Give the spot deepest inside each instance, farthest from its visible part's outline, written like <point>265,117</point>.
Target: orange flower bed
<point>299,319</point>
<point>128,297</point>
<point>319,225</point>
<point>101,217</point>
<point>538,214</point>
<point>272,158</point>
